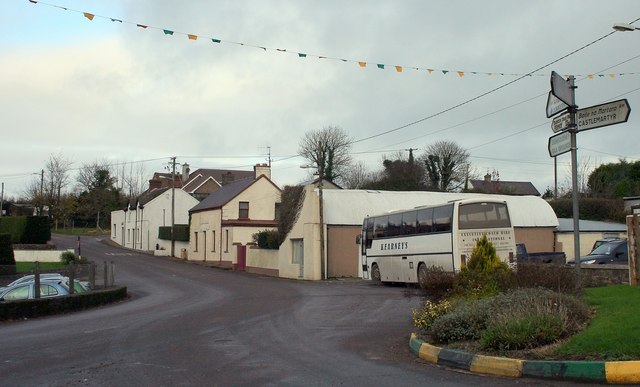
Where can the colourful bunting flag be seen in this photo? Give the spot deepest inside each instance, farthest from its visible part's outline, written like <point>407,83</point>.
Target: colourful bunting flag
<point>399,69</point>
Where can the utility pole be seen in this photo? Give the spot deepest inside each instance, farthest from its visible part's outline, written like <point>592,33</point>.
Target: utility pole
<point>2,200</point>
<point>41,191</point>
<point>173,206</point>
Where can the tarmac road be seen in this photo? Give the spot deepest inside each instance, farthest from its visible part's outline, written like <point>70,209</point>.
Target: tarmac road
<point>188,324</point>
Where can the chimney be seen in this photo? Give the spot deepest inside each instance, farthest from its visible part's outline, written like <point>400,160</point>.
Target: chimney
<point>487,178</point>
<point>227,178</point>
<point>262,169</point>
<point>185,173</point>
<point>155,183</point>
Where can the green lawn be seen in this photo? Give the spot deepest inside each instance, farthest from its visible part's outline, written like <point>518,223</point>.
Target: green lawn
<point>27,267</point>
<point>614,333</point>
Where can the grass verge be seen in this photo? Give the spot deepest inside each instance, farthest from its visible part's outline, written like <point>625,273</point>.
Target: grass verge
<point>614,333</point>
<point>27,267</point>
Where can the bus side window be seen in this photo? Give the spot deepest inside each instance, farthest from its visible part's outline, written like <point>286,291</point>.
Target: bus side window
<point>409,222</point>
<point>425,221</point>
<point>395,225</point>
<point>380,227</point>
<point>442,218</point>
<point>368,233</point>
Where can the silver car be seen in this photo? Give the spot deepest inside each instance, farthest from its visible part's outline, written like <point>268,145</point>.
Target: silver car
<point>26,290</point>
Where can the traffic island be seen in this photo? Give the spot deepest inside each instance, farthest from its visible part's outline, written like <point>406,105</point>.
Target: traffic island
<point>617,372</point>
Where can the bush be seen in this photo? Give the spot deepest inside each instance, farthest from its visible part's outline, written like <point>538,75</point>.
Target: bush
<point>7,259</point>
<point>466,321</point>
<point>484,274</point>
<point>267,239</point>
<point>424,318</point>
<point>527,318</point>
<point>13,225</point>
<point>69,256</point>
<point>439,283</point>
<point>37,230</point>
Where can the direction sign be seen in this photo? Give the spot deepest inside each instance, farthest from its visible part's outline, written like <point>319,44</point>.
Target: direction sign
<point>555,106</point>
<point>597,116</point>
<point>560,123</point>
<point>559,144</point>
<point>561,88</point>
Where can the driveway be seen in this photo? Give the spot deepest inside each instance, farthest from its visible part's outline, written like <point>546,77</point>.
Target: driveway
<point>188,324</point>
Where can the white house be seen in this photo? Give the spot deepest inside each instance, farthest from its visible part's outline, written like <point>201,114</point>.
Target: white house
<point>137,226</point>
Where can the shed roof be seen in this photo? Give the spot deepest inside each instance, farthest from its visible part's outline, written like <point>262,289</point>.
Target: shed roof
<point>566,225</point>
<point>350,207</point>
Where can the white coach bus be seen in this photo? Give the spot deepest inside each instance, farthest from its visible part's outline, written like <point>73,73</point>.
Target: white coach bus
<point>400,246</point>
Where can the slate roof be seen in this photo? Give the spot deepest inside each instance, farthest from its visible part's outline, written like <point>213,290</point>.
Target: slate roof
<point>145,197</point>
<point>200,176</point>
<point>505,187</point>
<point>223,195</point>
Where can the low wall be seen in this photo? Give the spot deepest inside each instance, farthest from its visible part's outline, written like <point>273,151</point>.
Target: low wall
<point>602,275</point>
<point>38,255</point>
<point>262,261</point>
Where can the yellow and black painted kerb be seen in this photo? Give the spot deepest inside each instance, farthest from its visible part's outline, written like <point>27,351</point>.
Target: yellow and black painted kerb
<point>617,372</point>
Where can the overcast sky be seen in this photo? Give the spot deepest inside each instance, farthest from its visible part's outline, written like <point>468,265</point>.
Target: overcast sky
<point>101,89</point>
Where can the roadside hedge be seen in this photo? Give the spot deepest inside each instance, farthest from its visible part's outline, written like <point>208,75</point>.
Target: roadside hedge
<point>7,259</point>
<point>26,229</point>
<point>14,310</point>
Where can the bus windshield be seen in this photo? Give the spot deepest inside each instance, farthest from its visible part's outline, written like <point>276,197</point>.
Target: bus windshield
<point>483,215</point>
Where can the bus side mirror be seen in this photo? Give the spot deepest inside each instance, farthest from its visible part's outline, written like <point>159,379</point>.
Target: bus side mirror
<point>358,239</point>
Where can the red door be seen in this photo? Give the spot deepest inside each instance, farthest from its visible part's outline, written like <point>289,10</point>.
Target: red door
<point>242,258</point>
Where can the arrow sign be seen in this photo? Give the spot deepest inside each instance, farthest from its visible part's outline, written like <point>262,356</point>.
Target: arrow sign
<point>561,88</point>
<point>554,105</point>
<point>559,144</point>
<point>560,123</point>
<point>606,114</point>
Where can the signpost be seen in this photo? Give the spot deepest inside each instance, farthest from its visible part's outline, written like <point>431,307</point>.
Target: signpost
<point>554,105</point>
<point>559,144</point>
<point>606,114</point>
<point>560,123</point>
<point>561,98</point>
<point>562,89</point>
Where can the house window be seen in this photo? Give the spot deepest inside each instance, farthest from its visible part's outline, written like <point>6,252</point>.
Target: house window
<point>213,240</point>
<point>243,212</point>
<point>226,244</point>
<point>128,235</point>
<point>297,251</point>
<point>195,240</point>
<point>276,212</point>
<point>114,230</point>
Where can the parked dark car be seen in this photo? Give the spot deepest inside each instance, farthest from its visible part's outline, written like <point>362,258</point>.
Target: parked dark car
<point>614,252</point>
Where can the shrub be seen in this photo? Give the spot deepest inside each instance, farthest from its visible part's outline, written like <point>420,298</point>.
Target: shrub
<point>527,318</point>
<point>424,318</point>
<point>559,278</point>
<point>69,256</point>
<point>466,321</point>
<point>439,283</point>
<point>7,259</point>
<point>13,225</point>
<point>484,274</point>
<point>37,230</point>
<point>267,239</point>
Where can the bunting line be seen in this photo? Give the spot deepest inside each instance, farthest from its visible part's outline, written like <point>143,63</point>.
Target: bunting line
<point>360,63</point>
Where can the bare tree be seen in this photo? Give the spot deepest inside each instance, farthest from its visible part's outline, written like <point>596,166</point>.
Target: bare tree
<point>357,176</point>
<point>86,178</point>
<point>447,166</point>
<point>329,149</point>
<point>56,177</point>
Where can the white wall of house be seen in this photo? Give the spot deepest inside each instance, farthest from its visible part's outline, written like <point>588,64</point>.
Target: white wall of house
<point>211,240</point>
<point>138,229</point>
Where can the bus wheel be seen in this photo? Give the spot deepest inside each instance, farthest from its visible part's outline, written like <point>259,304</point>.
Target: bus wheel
<point>375,273</point>
<point>422,275</point>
